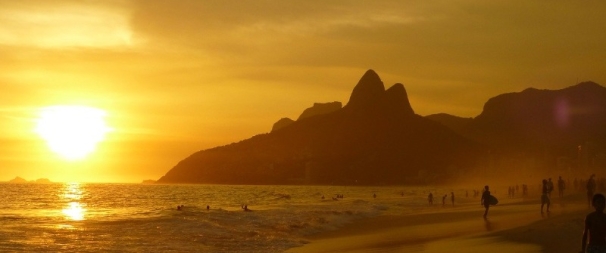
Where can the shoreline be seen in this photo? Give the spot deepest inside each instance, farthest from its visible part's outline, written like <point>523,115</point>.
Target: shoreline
<point>513,225</point>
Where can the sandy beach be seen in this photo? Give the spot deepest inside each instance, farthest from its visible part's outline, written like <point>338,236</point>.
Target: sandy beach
<point>514,225</point>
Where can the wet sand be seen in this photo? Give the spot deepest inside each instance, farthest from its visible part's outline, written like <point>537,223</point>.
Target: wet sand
<point>515,225</point>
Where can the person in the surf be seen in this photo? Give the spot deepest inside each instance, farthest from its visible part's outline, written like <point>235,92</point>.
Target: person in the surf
<point>595,227</point>
<point>485,200</point>
<point>430,198</point>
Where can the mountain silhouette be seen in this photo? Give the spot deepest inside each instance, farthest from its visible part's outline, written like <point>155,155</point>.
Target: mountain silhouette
<point>457,124</point>
<point>316,109</point>
<point>319,109</point>
<point>375,139</point>
<point>544,123</point>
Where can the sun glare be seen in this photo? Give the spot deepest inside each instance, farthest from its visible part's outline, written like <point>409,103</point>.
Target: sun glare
<point>72,131</point>
<point>74,210</point>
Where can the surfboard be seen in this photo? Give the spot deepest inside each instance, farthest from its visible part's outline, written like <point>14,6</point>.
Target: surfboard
<point>492,200</point>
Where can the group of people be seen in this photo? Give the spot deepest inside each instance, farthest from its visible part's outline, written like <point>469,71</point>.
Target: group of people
<point>580,184</point>
<point>595,222</point>
<point>513,190</point>
<point>594,232</point>
<point>452,198</point>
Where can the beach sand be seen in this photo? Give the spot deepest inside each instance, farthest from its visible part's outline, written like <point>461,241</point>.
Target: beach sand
<point>514,225</point>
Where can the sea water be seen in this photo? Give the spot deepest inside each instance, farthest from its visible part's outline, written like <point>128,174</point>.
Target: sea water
<point>82,217</point>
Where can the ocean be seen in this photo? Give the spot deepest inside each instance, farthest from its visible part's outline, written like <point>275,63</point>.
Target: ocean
<point>89,217</point>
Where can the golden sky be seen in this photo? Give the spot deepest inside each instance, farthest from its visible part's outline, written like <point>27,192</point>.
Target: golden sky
<point>175,77</point>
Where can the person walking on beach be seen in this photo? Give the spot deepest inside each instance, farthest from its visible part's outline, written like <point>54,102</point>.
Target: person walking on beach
<point>545,196</point>
<point>444,199</point>
<point>595,227</point>
<point>590,188</point>
<point>430,198</point>
<point>485,200</point>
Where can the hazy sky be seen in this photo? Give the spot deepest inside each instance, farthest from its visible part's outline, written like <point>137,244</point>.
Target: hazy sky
<point>179,76</point>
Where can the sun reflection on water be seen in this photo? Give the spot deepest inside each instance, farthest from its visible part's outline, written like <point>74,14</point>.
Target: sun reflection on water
<point>74,210</point>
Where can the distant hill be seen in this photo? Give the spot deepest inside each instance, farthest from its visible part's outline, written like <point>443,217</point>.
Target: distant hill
<point>375,139</point>
<point>546,124</point>
<point>315,110</point>
<point>21,180</point>
<point>43,181</point>
<point>320,109</point>
<point>17,180</point>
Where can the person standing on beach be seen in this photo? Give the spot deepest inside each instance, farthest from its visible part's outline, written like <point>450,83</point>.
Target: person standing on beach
<point>590,188</point>
<point>485,200</point>
<point>444,199</point>
<point>545,196</point>
<point>430,198</point>
<point>561,186</point>
<point>595,227</point>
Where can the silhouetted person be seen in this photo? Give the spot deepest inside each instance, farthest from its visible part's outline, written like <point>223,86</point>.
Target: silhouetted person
<point>595,227</point>
<point>430,198</point>
<point>485,200</point>
<point>444,199</point>
<point>452,198</point>
<point>561,186</point>
<point>545,195</point>
<point>590,189</point>
<point>374,195</point>
<point>207,208</point>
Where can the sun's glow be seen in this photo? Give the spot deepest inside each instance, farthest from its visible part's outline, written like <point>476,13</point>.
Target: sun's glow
<point>74,210</point>
<point>72,131</point>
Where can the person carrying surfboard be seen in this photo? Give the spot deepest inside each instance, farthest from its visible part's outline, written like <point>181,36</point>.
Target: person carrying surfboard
<point>485,201</point>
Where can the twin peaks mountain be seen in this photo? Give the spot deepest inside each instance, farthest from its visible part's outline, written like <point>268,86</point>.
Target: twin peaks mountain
<point>377,139</point>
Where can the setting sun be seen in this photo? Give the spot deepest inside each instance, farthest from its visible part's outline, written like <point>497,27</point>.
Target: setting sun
<point>72,131</point>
